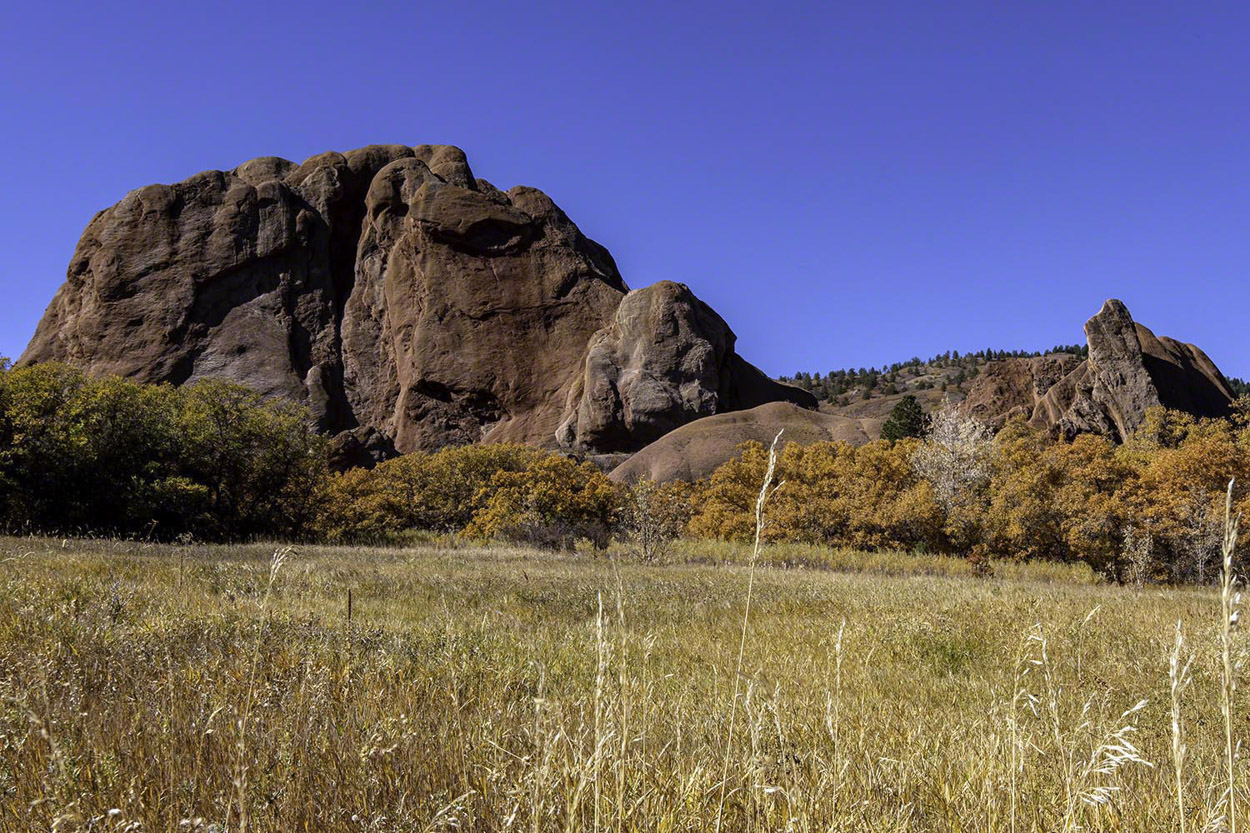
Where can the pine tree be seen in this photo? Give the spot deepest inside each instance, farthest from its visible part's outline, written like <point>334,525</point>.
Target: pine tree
<point>906,420</point>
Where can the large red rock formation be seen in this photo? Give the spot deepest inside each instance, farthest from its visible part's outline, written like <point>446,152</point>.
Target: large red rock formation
<point>407,303</point>
<point>666,359</point>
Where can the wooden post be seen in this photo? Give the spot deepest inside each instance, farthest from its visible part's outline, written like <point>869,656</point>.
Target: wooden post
<point>349,605</point>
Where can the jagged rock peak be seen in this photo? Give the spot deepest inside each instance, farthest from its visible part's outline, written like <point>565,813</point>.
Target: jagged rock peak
<point>1129,370</point>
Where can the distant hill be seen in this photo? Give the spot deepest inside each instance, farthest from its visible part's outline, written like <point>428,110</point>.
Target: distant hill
<point>868,394</point>
<point>948,372</point>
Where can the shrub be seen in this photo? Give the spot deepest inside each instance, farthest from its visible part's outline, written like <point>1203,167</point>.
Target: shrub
<point>956,459</point>
<point>552,502</point>
<point>1020,495</point>
<point>834,494</point>
<point>727,508</point>
<point>432,492</point>
<point>260,461</point>
<point>653,515</point>
<point>112,456</point>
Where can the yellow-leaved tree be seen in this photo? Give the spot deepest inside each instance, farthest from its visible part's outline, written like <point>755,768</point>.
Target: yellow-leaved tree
<point>553,501</point>
<point>834,493</point>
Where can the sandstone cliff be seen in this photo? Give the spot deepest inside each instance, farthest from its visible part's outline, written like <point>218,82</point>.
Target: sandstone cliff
<point>666,359</point>
<point>1009,387</point>
<point>407,303</point>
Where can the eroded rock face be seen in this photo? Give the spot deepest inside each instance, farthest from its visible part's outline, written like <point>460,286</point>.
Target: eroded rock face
<point>471,309</point>
<point>1129,370</point>
<point>398,297</point>
<point>229,274</point>
<point>665,360</point>
<point>1014,386</point>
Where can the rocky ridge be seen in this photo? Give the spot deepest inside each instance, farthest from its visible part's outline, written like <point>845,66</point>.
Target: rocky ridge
<point>1129,370</point>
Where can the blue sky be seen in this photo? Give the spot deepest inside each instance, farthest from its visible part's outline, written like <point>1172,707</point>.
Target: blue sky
<point>848,184</point>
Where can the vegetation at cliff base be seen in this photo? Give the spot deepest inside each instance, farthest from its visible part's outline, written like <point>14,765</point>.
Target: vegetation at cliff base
<point>108,456</point>
<point>214,462</point>
<point>159,687</point>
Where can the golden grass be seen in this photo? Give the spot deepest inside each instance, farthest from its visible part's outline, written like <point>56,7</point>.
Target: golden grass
<point>506,689</point>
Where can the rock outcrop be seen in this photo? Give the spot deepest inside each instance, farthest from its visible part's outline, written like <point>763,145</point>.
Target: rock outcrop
<point>696,449</point>
<point>400,299</point>
<point>360,448</point>
<point>1009,387</point>
<point>1128,371</point>
<point>665,360</point>
<point>1131,370</point>
<point>470,309</point>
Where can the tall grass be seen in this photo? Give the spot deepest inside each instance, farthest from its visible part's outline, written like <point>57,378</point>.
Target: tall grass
<point>766,490</point>
<point>1230,599</point>
<point>241,763</point>
<point>1179,679</point>
<point>162,688</point>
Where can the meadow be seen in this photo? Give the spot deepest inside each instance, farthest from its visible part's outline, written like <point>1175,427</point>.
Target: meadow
<point>159,688</point>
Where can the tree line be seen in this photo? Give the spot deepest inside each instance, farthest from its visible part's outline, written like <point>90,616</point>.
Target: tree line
<point>1150,509</point>
<point>946,370</point>
<point>108,456</point>
<point>213,461</point>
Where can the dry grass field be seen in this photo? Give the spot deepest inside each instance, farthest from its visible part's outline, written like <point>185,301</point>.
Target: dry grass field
<point>158,688</point>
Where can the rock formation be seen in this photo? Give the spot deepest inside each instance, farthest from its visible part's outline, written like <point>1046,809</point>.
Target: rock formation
<point>398,297</point>
<point>666,359</point>
<point>1129,370</point>
<point>1009,387</point>
<point>362,448</point>
<point>470,308</point>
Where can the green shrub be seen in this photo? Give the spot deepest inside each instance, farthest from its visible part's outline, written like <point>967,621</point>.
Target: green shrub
<point>115,457</point>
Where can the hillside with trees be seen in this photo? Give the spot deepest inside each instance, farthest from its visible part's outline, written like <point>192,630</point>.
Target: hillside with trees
<point>871,393</point>
<point>213,461</point>
<point>947,372</point>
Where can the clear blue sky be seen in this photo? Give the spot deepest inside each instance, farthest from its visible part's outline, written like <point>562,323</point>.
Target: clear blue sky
<point>846,183</point>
